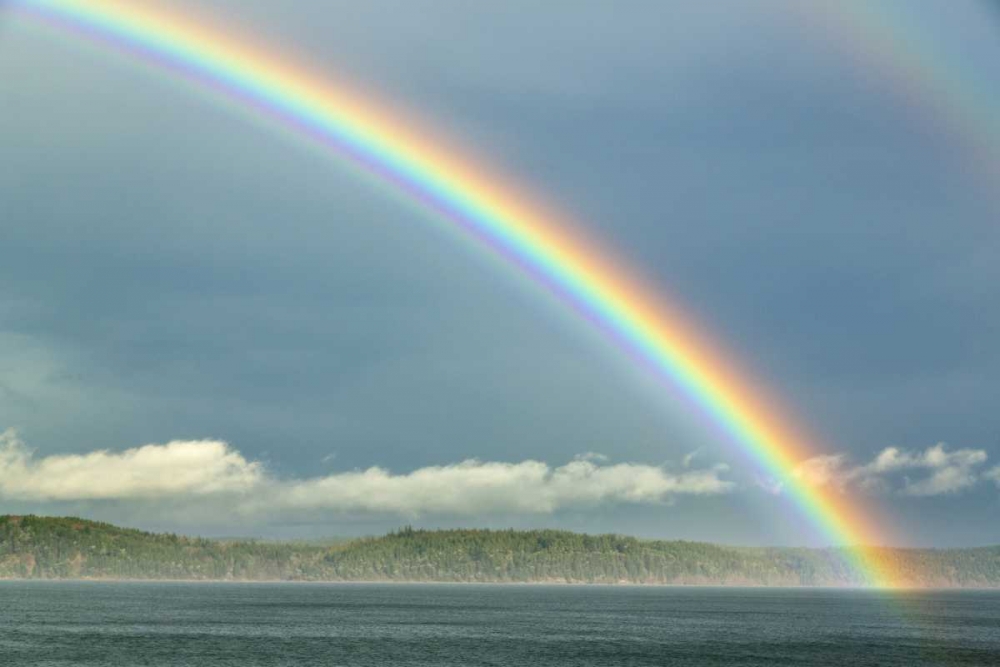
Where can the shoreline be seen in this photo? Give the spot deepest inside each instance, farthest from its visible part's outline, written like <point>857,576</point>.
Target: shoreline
<point>511,584</point>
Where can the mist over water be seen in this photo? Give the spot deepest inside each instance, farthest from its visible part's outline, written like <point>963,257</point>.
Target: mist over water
<point>103,624</point>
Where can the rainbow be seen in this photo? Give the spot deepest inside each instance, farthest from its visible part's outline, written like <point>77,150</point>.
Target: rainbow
<point>494,216</point>
<point>916,69</point>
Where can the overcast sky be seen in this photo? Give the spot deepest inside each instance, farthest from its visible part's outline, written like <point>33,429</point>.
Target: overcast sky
<point>206,328</point>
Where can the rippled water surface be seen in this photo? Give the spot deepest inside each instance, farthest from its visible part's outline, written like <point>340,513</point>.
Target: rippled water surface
<point>61,623</point>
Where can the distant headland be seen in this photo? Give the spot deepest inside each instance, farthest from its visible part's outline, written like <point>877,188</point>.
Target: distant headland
<point>33,547</point>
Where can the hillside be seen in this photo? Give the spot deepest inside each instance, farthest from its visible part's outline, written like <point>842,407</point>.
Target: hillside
<point>60,548</point>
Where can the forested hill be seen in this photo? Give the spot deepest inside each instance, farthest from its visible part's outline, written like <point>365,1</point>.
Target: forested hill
<point>60,548</point>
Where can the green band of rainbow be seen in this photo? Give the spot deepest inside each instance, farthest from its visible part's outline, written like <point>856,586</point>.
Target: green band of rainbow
<point>665,341</point>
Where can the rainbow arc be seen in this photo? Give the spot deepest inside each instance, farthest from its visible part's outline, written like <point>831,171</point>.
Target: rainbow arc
<point>533,241</point>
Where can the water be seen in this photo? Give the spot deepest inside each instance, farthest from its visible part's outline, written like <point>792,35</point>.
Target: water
<point>124,624</point>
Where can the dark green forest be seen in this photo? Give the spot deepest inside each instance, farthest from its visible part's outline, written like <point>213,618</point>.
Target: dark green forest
<point>34,547</point>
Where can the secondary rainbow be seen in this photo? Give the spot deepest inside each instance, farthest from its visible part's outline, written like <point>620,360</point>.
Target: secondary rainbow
<point>926,75</point>
<point>529,237</point>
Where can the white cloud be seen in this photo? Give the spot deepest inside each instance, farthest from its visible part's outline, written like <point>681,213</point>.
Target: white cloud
<point>994,475</point>
<point>689,457</point>
<point>823,470</point>
<point>199,467</point>
<point>473,487</point>
<point>207,469</point>
<point>769,485</point>
<point>947,471</point>
<point>953,471</point>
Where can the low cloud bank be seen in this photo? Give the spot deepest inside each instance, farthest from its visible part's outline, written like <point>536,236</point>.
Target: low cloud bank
<point>203,470</point>
<point>938,471</point>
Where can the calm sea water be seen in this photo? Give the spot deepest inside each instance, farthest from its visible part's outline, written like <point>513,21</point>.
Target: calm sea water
<point>59,623</point>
